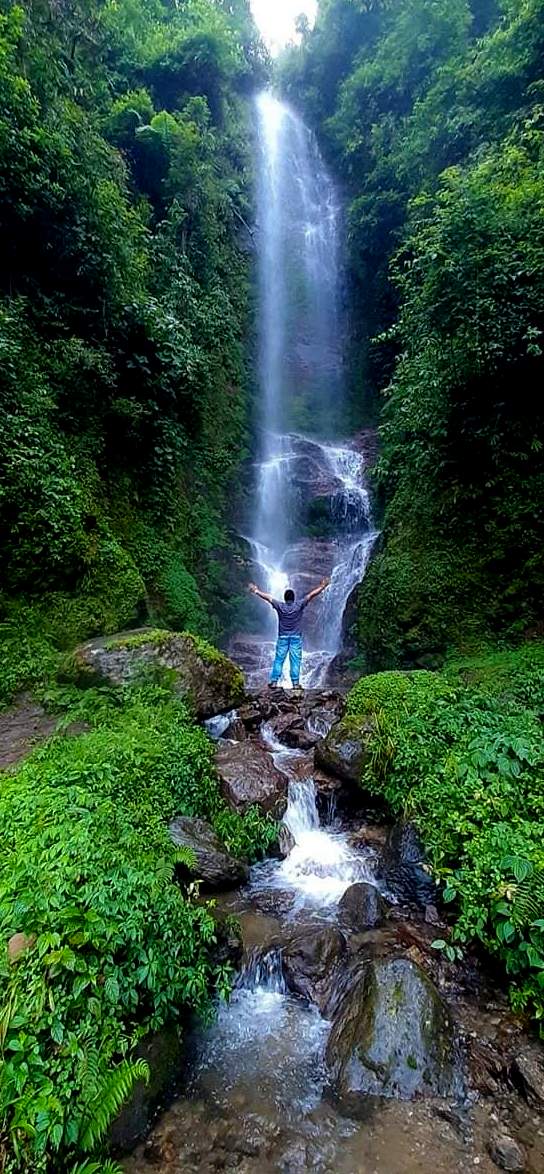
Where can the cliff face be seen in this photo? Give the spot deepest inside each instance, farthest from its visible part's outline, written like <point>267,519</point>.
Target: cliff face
<point>123,314</point>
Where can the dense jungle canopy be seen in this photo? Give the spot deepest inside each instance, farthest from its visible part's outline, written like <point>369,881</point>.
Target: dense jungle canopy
<point>124,164</point>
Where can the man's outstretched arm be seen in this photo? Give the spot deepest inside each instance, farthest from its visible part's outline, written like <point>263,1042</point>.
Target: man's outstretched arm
<point>262,594</point>
<point>322,586</point>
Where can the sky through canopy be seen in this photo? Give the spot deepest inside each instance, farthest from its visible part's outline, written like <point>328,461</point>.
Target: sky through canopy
<point>277,19</point>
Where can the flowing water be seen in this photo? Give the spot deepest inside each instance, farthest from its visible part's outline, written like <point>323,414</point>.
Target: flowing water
<point>255,1097</point>
<point>311,512</point>
<point>321,864</point>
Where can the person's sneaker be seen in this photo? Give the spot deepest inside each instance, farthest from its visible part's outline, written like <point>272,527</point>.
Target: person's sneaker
<point>272,684</point>
<point>298,690</point>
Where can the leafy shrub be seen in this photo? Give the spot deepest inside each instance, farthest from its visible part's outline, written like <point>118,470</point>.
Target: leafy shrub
<point>28,658</point>
<point>34,633</point>
<point>114,947</point>
<point>462,754</point>
<point>183,606</point>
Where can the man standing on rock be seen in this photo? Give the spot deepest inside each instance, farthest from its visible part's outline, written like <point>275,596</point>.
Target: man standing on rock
<point>290,613</point>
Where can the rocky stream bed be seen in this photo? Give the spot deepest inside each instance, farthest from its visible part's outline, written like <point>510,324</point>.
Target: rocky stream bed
<point>349,1044</point>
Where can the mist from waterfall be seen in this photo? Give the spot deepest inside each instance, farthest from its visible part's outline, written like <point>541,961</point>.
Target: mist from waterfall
<point>311,508</point>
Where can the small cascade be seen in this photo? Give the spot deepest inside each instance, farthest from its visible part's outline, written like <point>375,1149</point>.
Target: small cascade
<point>301,815</point>
<point>217,726</point>
<point>262,972</point>
<point>321,864</point>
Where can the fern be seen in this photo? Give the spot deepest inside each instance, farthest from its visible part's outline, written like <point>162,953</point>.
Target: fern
<point>186,857</point>
<point>91,1167</point>
<point>164,871</point>
<point>110,1094</point>
<point>89,1075</point>
<point>528,900</point>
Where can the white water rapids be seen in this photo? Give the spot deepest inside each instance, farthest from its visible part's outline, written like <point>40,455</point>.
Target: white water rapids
<point>321,864</point>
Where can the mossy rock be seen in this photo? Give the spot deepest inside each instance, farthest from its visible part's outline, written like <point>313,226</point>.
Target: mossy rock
<point>346,750</point>
<point>201,675</point>
<point>393,1036</point>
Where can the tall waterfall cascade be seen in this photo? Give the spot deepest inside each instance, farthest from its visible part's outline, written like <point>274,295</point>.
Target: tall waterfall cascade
<point>311,514</point>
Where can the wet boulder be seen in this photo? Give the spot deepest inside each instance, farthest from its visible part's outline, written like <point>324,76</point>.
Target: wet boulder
<point>213,863</point>
<point>528,1072</point>
<point>298,738</point>
<point>402,866</point>
<point>314,963</point>
<point>346,749</point>
<point>321,710</point>
<point>361,907</point>
<point>507,1154</point>
<point>236,731</point>
<point>162,1051</point>
<point>286,840</point>
<point>248,776</point>
<point>204,677</point>
<point>392,1035</point>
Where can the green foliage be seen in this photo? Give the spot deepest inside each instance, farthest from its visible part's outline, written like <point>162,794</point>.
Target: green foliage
<point>432,114</point>
<point>183,606</point>
<point>461,753</point>
<point>123,302</point>
<point>28,659</point>
<point>115,947</point>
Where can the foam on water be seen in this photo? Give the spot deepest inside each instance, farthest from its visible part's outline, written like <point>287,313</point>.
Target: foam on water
<point>261,1015</point>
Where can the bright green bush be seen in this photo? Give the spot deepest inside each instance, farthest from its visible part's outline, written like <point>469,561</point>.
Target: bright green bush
<point>116,947</point>
<point>34,633</point>
<point>183,606</point>
<point>462,754</point>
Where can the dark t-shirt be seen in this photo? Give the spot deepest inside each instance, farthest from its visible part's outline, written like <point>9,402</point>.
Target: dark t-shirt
<point>290,616</point>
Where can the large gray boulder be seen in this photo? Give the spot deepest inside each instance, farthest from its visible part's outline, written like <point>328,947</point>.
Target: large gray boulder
<point>248,776</point>
<point>314,961</point>
<point>392,1035</point>
<point>402,866</point>
<point>213,863</point>
<point>528,1072</point>
<point>207,679</point>
<point>361,907</point>
<point>346,750</point>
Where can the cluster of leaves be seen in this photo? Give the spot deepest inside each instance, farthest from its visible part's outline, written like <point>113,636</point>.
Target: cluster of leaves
<point>461,753</point>
<point>431,110</point>
<point>115,947</point>
<point>124,168</point>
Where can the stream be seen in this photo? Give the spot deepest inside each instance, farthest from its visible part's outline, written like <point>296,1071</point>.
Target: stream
<point>257,1091</point>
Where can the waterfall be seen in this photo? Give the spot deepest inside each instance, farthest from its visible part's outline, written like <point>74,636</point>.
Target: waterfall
<point>311,513</point>
<point>262,971</point>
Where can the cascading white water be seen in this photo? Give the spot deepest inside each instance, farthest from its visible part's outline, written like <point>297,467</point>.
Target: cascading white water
<point>311,513</point>
<point>262,971</point>
<point>321,864</point>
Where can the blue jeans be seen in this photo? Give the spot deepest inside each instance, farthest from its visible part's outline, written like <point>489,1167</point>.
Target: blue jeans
<point>293,646</point>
